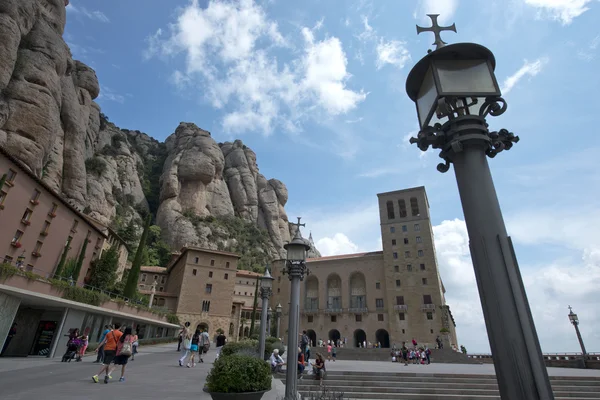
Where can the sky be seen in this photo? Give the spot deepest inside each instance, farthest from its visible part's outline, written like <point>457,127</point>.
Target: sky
<point>317,90</point>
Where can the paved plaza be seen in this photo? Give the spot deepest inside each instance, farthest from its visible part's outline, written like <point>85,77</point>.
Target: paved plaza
<point>155,374</point>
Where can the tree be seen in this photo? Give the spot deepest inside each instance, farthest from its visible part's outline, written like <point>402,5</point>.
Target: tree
<point>132,279</point>
<point>63,258</point>
<point>159,253</point>
<point>254,306</point>
<point>2,180</point>
<point>77,269</point>
<point>104,269</point>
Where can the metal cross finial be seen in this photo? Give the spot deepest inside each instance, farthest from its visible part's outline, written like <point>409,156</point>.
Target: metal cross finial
<point>570,309</point>
<point>436,29</point>
<point>298,224</point>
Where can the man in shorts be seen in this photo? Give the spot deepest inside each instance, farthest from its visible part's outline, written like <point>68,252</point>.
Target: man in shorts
<point>110,344</point>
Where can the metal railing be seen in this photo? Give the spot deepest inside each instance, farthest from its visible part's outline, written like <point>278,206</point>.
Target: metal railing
<point>428,307</point>
<point>331,310</point>
<point>400,307</point>
<point>310,310</point>
<point>358,310</point>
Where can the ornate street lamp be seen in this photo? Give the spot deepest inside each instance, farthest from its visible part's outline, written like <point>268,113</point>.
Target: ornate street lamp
<point>575,321</point>
<point>296,269</point>
<point>278,314</point>
<point>454,89</point>
<point>266,289</point>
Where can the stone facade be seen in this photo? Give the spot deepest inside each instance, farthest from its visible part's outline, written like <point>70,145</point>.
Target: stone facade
<point>387,296</point>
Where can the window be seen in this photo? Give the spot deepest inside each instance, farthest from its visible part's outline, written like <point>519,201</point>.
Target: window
<point>396,268</point>
<point>196,260</point>
<point>405,240</point>
<point>227,264</point>
<point>279,279</point>
<point>431,331</point>
<point>29,268</point>
<point>245,293</point>
<point>379,317</point>
<point>424,280</point>
<point>278,290</point>
<point>74,227</point>
<point>417,227</point>
<point>334,318</point>
<point>160,289</point>
<point>420,253</point>
<point>88,234</point>
<point>2,198</point>
<point>397,282</point>
<point>155,278</point>
<point>392,229</point>
<point>10,176</point>
<point>407,254</point>
<point>38,247</point>
<point>17,237</point>
<point>206,306</point>
<point>310,318</point>
<point>404,228</point>
<point>379,303</point>
<point>414,207</point>
<point>399,300</point>
<point>358,318</point>
<point>422,266</point>
<point>402,208</point>
<point>429,315</point>
<point>401,317</point>
<point>212,263</point>
<point>403,331</point>
<point>35,197</point>
<point>395,255</point>
<point>162,280</point>
<point>208,289</point>
<point>143,277</point>
<point>226,276</point>
<point>390,210</point>
<point>210,274</point>
<point>377,285</point>
<point>427,299</point>
<point>409,267</point>
<point>194,271</point>
<point>393,242</point>
<point>7,259</point>
<point>27,216</point>
<point>53,210</point>
<point>419,240</point>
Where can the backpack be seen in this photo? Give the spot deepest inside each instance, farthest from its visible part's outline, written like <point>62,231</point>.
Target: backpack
<point>126,348</point>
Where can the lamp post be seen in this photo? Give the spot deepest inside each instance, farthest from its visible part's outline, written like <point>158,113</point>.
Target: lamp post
<point>269,321</point>
<point>266,288</point>
<point>575,321</point>
<point>455,89</point>
<point>295,268</point>
<point>278,314</point>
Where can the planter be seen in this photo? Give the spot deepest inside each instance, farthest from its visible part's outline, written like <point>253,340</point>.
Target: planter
<point>236,396</point>
<point>34,202</point>
<point>51,214</point>
<point>25,222</point>
<point>16,244</point>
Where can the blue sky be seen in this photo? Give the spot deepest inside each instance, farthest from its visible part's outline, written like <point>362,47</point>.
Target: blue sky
<point>316,89</point>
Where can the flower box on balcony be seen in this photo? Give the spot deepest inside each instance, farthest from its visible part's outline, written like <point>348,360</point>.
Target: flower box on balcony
<point>34,202</point>
<point>43,233</point>
<point>25,222</point>
<point>15,244</point>
<point>51,214</point>
<point>36,254</point>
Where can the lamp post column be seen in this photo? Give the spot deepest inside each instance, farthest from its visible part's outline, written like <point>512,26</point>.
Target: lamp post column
<point>278,313</point>
<point>296,273</point>
<point>264,294</point>
<point>580,339</point>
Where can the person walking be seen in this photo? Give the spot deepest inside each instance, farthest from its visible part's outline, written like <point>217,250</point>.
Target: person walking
<point>404,350</point>
<point>204,343</point>
<point>124,351</point>
<point>83,347</point>
<point>11,334</point>
<point>110,344</point>
<point>100,349</point>
<point>329,347</point>
<point>186,335</point>
<point>135,344</point>
<point>194,348</point>
<point>428,355</point>
<point>221,341</point>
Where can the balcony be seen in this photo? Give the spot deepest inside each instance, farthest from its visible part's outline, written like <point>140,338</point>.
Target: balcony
<point>428,307</point>
<point>401,307</point>
<point>310,311</point>
<point>358,310</point>
<point>331,310</point>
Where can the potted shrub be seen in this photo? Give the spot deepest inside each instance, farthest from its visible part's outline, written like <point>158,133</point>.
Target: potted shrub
<point>240,377</point>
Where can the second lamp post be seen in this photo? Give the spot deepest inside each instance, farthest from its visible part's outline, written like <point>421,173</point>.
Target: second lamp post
<point>266,288</point>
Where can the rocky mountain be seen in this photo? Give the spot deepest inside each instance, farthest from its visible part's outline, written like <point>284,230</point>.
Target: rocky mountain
<point>201,192</point>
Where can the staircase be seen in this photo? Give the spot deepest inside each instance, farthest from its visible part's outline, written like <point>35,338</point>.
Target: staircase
<point>443,356</point>
<point>420,386</point>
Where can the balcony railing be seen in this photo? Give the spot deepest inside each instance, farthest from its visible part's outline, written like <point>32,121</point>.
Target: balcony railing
<point>400,307</point>
<point>358,310</point>
<point>310,311</point>
<point>332,310</point>
<point>428,307</point>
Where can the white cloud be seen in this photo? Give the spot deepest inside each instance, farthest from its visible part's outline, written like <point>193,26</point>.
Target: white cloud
<point>589,53</point>
<point>530,69</point>
<point>392,52</point>
<point>445,8</point>
<point>561,10</point>
<point>94,14</point>
<point>378,172</point>
<point>229,49</point>
<point>354,121</point>
<point>108,94</point>
<point>338,244</point>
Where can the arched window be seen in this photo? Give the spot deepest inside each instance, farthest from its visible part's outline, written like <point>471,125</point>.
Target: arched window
<point>390,210</point>
<point>402,207</point>
<point>414,207</point>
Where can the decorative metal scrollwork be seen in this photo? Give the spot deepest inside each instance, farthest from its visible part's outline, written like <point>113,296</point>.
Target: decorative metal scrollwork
<point>501,140</point>
<point>493,106</point>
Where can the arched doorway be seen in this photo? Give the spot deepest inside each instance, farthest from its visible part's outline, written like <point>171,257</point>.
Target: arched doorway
<point>246,331</point>
<point>382,336</point>
<point>203,326</point>
<point>334,335</point>
<point>312,336</point>
<point>359,337</point>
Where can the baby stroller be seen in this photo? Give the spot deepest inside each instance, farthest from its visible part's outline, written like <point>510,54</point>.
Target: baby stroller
<point>72,350</point>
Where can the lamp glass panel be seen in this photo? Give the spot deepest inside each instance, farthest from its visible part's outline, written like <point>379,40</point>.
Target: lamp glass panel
<point>296,252</point>
<point>427,97</point>
<point>465,76</point>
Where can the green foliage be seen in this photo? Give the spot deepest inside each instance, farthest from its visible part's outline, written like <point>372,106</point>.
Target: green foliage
<point>150,171</point>
<point>444,330</point>
<point>251,347</point>
<point>7,271</point>
<point>173,319</point>
<point>103,121</point>
<point>104,269</point>
<point>254,307</point>
<point>95,165</point>
<point>63,258</point>
<point>132,280</point>
<point>159,253</point>
<point>78,294</point>
<point>2,180</point>
<point>80,259</point>
<point>69,268</point>
<point>272,345</point>
<point>239,373</point>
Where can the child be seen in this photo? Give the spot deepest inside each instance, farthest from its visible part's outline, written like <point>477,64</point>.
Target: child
<point>83,346</point>
<point>329,351</point>
<point>333,353</point>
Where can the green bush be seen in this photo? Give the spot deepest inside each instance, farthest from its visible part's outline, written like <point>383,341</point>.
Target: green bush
<point>250,347</point>
<point>95,165</point>
<point>239,373</point>
<point>6,271</point>
<point>444,330</point>
<point>173,319</point>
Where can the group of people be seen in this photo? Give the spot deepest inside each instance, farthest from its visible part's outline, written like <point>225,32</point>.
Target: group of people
<point>415,355</point>
<point>76,346</point>
<point>318,366</point>
<point>117,344</point>
<point>196,344</point>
